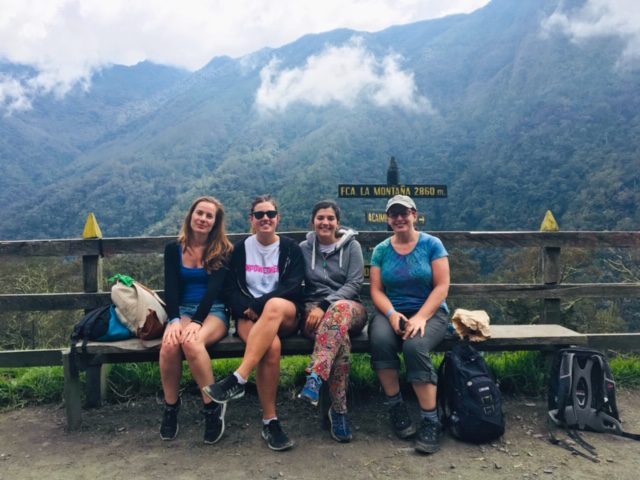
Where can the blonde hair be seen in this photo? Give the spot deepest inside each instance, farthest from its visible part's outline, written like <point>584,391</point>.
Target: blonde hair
<point>218,247</point>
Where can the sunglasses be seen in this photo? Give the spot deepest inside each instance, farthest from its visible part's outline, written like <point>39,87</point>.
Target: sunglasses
<point>269,213</point>
<point>400,213</point>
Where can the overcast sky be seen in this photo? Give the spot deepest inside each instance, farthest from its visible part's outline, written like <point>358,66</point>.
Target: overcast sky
<point>188,33</point>
<point>67,40</point>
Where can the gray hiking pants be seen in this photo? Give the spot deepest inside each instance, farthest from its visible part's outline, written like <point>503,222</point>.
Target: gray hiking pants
<point>385,346</point>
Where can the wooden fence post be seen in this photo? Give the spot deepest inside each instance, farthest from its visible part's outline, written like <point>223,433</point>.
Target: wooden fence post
<point>91,281</point>
<point>72,392</point>
<point>551,272</point>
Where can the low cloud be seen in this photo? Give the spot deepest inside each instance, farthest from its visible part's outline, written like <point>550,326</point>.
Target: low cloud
<point>13,95</point>
<point>601,18</point>
<point>343,75</point>
<point>17,93</point>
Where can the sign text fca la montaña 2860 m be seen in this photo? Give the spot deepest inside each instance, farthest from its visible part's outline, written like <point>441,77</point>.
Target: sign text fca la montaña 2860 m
<point>386,191</point>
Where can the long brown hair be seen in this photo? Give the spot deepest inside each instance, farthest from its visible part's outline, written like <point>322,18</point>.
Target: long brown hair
<point>218,247</point>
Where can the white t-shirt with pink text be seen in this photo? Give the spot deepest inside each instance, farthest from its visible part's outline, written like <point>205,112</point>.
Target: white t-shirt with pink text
<point>261,266</point>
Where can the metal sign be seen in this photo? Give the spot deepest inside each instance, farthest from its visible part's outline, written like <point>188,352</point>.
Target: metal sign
<point>388,191</point>
<point>381,217</point>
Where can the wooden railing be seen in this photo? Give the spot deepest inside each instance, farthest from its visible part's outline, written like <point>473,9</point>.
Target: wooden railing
<point>550,289</point>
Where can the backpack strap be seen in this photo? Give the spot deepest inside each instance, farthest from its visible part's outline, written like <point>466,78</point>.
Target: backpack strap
<point>73,356</point>
<point>632,436</point>
<point>565,374</point>
<point>605,400</point>
<point>576,437</point>
<point>553,440</point>
<point>441,397</point>
<point>85,340</point>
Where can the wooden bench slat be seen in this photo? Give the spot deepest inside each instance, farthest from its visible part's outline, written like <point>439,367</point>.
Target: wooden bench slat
<point>30,358</point>
<point>501,336</point>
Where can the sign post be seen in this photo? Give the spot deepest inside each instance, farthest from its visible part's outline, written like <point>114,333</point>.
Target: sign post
<point>380,217</point>
<point>392,188</point>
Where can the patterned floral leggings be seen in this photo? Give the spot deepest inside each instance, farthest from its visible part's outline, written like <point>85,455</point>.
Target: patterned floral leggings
<point>332,349</point>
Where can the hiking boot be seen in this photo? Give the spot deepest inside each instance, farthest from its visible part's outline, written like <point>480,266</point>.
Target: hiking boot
<point>401,421</point>
<point>311,390</point>
<point>428,437</point>
<point>276,438</point>
<point>224,390</point>
<point>213,423</point>
<point>169,427</point>
<point>340,428</point>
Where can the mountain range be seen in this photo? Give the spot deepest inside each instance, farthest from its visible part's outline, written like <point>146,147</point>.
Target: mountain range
<point>513,118</point>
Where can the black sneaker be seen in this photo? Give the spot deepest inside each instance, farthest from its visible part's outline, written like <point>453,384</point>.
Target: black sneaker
<point>401,421</point>
<point>213,423</point>
<point>224,390</point>
<point>428,437</point>
<point>169,427</point>
<point>276,438</point>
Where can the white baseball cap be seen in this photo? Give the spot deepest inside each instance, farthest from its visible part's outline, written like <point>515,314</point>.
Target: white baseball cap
<point>403,200</point>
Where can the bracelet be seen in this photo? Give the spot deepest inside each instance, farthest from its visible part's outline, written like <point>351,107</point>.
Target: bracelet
<point>390,312</point>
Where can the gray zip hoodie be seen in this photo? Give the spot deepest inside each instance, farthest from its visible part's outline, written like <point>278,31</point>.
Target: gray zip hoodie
<point>337,275</point>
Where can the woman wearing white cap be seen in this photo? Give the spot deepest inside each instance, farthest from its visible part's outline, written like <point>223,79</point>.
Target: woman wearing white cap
<point>409,285</point>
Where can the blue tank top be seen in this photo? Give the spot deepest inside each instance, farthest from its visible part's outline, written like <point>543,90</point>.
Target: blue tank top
<point>194,281</point>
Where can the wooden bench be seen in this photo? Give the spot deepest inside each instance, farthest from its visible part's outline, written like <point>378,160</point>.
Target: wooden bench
<point>503,338</point>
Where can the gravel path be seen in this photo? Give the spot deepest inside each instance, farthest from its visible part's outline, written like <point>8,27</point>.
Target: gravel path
<point>122,441</point>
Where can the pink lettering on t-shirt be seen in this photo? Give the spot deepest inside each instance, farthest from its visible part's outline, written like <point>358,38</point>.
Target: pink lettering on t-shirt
<point>261,269</point>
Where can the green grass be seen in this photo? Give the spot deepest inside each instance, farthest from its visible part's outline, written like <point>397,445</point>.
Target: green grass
<point>626,370</point>
<point>27,386</point>
<point>522,373</point>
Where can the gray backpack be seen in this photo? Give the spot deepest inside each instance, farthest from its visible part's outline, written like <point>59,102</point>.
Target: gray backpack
<point>582,396</point>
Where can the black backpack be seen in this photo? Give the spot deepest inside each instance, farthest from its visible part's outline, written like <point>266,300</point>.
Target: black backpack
<point>94,325</point>
<point>582,396</point>
<point>469,400</point>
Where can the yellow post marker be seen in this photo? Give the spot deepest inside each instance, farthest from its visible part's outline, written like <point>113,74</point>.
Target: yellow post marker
<point>91,228</point>
<point>549,223</point>
<point>551,271</point>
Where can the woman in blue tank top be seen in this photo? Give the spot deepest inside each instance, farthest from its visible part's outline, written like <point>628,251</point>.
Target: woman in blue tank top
<point>195,267</point>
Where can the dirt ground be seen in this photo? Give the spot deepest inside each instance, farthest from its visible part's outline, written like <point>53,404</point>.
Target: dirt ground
<point>122,441</point>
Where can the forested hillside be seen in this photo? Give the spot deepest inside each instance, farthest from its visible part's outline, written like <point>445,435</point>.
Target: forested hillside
<point>514,118</point>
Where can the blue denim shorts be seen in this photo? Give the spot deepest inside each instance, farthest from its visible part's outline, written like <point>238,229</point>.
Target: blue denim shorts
<point>217,309</point>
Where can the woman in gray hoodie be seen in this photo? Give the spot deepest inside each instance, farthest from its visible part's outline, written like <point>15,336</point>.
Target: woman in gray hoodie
<point>333,279</point>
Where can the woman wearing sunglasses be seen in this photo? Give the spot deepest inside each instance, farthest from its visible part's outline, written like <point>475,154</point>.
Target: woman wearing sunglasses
<point>333,279</point>
<point>264,293</point>
<point>409,285</point>
<point>194,271</point>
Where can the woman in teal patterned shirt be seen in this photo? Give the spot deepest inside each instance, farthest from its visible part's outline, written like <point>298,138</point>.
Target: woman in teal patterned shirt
<point>409,285</point>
